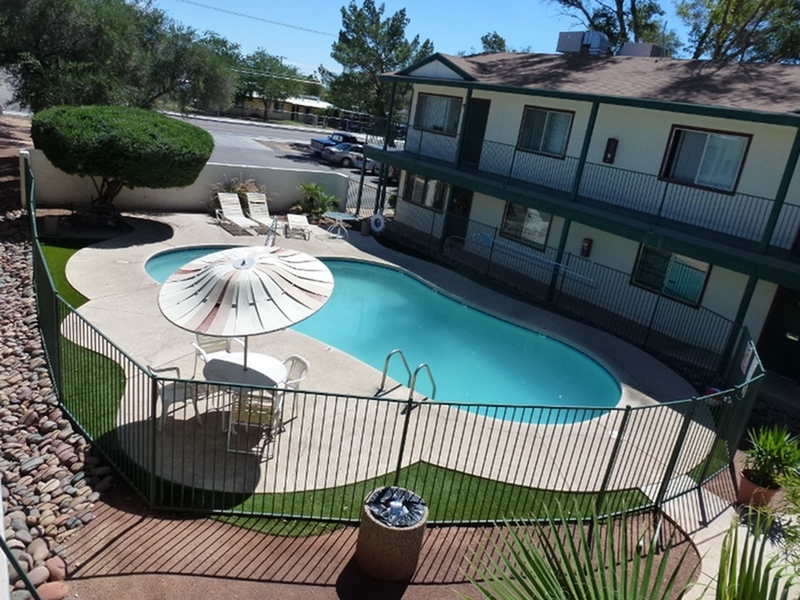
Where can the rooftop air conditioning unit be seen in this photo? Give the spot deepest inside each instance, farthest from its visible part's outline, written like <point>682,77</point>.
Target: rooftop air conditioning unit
<point>641,49</point>
<point>570,42</point>
<point>593,43</point>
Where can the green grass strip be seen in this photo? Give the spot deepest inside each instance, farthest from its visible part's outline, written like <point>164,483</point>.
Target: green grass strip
<point>57,253</point>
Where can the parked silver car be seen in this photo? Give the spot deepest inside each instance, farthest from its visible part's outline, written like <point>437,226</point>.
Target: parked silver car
<point>374,167</point>
<point>343,154</point>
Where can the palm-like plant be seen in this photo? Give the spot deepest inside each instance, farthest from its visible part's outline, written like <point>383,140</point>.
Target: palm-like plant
<point>316,201</point>
<point>744,571</point>
<point>773,453</point>
<point>533,562</point>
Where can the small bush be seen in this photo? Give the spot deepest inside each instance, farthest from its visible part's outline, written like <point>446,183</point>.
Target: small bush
<point>122,147</point>
<point>316,201</point>
<point>235,185</point>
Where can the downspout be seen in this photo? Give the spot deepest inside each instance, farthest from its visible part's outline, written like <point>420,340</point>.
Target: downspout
<point>576,185</point>
<point>780,197</point>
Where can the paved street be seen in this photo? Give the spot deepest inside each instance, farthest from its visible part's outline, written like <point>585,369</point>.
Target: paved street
<point>263,144</point>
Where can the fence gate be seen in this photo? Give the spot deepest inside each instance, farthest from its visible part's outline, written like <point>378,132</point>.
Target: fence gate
<point>369,198</point>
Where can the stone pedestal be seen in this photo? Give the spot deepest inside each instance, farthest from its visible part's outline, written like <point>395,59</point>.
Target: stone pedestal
<point>388,553</point>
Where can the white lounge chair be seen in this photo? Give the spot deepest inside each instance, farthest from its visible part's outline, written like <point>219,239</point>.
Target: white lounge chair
<point>230,213</point>
<point>251,408</point>
<point>174,392</point>
<point>258,210</point>
<point>297,225</point>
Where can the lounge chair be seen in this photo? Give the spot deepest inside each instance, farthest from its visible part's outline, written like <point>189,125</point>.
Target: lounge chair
<point>297,225</point>
<point>174,392</point>
<point>252,408</point>
<point>230,213</point>
<point>258,211</point>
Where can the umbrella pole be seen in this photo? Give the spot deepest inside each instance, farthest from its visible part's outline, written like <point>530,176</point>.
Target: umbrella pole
<point>245,353</point>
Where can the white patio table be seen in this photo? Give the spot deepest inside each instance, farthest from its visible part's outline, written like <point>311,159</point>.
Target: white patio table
<point>262,369</point>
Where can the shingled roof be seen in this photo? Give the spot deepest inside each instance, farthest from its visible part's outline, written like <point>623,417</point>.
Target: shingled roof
<point>767,87</point>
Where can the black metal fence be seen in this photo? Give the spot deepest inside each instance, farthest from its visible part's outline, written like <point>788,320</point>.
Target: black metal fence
<point>687,336</point>
<point>189,444</point>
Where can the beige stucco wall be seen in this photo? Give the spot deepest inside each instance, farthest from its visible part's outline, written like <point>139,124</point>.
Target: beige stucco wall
<point>607,249</point>
<point>505,117</point>
<point>757,312</point>
<point>643,136</point>
<point>56,188</point>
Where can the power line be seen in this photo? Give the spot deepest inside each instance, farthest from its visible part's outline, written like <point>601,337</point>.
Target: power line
<point>238,14</point>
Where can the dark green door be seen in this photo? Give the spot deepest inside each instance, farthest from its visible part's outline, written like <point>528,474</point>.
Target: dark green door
<point>472,144</point>
<point>779,346</point>
<point>457,223</point>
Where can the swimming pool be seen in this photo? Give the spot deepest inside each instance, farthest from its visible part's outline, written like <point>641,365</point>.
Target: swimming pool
<point>474,357</point>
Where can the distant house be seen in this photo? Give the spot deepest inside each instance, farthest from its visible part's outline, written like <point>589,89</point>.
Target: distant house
<point>303,109</point>
<point>680,177</point>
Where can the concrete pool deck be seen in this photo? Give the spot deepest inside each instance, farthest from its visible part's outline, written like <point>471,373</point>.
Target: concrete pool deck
<point>111,274</point>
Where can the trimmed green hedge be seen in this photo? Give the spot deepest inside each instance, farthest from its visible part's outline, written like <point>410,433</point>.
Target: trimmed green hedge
<point>122,146</point>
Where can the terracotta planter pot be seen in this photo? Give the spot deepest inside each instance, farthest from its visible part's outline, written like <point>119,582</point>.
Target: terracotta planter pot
<point>753,495</point>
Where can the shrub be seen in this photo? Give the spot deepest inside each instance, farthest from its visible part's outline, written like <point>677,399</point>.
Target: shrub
<point>236,185</point>
<point>121,147</point>
<point>316,201</point>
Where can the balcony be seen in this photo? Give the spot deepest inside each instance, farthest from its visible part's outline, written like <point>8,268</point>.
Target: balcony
<point>732,218</point>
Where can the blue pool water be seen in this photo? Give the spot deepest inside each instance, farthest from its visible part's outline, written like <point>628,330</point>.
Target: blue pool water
<point>474,357</point>
<point>161,266</point>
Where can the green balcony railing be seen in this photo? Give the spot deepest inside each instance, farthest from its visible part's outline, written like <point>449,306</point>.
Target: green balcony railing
<point>650,197</point>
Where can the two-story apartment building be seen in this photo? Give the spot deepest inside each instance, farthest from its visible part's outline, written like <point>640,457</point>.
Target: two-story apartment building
<point>661,196</point>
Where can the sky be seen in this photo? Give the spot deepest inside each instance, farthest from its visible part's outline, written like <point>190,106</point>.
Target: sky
<point>303,32</point>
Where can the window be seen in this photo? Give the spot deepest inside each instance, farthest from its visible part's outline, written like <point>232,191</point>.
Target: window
<point>424,191</point>
<point>437,113</point>
<point>277,106</point>
<point>526,225</point>
<point>545,131</point>
<point>705,158</point>
<point>678,277</point>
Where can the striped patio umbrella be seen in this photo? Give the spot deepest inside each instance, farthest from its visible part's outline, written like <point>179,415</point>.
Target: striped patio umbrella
<point>245,291</point>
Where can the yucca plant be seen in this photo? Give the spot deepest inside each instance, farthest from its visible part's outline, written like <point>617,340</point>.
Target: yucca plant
<point>316,201</point>
<point>773,453</point>
<point>532,561</point>
<point>745,573</point>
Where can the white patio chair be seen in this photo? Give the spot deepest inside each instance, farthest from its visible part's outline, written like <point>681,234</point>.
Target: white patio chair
<point>252,408</point>
<point>174,392</point>
<point>230,213</point>
<point>207,344</point>
<point>297,369</point>
<point>258,210</point>
<point>297,225</point>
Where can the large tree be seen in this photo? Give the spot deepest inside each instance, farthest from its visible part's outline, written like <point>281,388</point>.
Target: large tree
<point>367,46</point>
<point>264,77</point>
<point>104,52</point>
<point>623,20</point>
<point>748,30</point>
<point>119,146</point>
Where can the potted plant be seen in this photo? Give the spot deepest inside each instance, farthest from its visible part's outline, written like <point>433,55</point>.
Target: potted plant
<point>773,453</point>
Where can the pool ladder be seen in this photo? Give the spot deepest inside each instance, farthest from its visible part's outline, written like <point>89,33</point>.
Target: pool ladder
<point>412,377</point>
